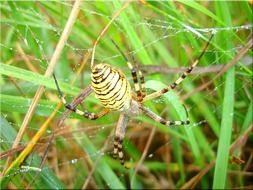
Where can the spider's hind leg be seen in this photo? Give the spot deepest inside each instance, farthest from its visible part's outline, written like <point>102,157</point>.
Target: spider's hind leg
<point>117,150</point>
<point>119,137</point>
<point>115,147</point>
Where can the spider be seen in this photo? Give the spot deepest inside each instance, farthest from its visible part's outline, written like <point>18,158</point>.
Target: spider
<point>113,90</point>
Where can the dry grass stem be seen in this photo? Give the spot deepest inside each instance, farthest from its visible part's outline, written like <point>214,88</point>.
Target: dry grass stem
<point>239,142</point>
<point>49,71</point>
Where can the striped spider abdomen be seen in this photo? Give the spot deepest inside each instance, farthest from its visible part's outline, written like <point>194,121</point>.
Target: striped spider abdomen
<point>111,87</point>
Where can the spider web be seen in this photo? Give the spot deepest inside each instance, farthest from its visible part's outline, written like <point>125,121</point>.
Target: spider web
<point>162,29</point>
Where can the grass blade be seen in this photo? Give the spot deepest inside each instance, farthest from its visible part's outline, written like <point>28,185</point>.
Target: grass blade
<point>35,78</point>
<point>220,172</point>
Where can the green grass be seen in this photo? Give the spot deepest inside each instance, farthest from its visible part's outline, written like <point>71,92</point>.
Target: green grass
<point>169,34</point>
<point>220,172</point>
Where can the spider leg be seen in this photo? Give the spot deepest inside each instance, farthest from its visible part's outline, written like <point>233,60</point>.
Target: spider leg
<point>143,89</point>
<point>181,78</point>
<point>142,81</point>
<point>134,74</point>
<point>115,147</point>
<point>86,114</point>
<point>120,152</point>
<point>163,121</point>
<point>117,150</point>
<point>119,136</point>
<point>136,82</point>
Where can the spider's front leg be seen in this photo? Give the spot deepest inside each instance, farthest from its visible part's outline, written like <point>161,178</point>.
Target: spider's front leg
<point>119,137</point>
<point>181,78</point>
<point>139,88</point>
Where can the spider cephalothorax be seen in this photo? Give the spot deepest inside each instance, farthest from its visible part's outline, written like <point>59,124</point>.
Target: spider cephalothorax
<point>114,92</point>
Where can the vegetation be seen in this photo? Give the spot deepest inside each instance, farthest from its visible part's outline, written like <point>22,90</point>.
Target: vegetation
<point>215,151</point>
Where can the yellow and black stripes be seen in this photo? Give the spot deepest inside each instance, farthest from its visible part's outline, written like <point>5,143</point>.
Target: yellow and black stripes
<point>119,136</point>
<point>181,78</point>
<point>113,90</point>
<point>111,87</point>
<point>136,82</point>
<point>86,114</point>
<point>117,150</point>
<point>163,121</point>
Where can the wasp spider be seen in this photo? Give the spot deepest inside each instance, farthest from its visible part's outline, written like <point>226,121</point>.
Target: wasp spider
<point>113,90</point>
